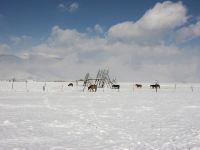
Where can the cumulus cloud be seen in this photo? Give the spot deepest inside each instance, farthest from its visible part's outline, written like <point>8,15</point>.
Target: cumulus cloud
<point>64,42</point>
<point>80,53</point>
<point>70,7</point>
<point>154,23</point>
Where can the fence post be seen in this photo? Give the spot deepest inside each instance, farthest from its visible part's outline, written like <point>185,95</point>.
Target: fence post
<point>175,86</point>
<point>192,88</point>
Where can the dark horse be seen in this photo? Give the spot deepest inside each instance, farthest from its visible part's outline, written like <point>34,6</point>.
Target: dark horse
<point>70,84</point>
<point>138,85</point>
<point>92,88</point>
<point>115,86</point>
<point>155,86</point>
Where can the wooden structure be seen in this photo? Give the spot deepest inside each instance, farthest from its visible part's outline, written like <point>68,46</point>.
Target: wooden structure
<point>102,79</point>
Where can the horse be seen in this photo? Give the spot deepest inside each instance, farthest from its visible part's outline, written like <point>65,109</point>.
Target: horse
<point>116,86</point>
<point>92,88</point>
<point>70,84</point>
<point>138,85</point>
<point>155,86</point>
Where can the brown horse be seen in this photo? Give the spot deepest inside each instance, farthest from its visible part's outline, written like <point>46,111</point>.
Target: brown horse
<point>138,85</point>
<point>92,88</point>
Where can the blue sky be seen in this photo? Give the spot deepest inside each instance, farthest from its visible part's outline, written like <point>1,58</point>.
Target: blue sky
<point>37,17</point>
<point>55,30</point>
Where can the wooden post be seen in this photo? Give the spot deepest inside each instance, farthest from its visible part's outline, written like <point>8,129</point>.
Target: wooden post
<point>44,87</point>
<point>13,84</point>
<point>26,86</point>
<point>192,88</point>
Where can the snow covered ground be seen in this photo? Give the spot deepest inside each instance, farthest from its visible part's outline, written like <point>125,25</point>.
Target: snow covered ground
<point>66,118</point>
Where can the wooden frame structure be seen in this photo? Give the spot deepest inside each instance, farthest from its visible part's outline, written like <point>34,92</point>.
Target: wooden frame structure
<point>102,79</point>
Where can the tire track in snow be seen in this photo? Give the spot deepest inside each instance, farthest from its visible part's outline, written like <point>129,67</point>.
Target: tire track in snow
<point>102,126</point>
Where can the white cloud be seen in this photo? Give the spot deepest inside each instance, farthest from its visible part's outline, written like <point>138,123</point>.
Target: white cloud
<point>73,7</point>
<point>154,23</point>
<point>70,54</point>
<point>188,33</point>
<point>20,39</point>
<point>70,7</point>
<point>164,15</point>
<point>64,42</point>
<point>97,29</point>
<point>77,51</point>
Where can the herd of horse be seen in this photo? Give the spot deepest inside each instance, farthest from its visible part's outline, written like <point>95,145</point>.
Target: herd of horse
<point>93,87</point>
<point>153,86</point>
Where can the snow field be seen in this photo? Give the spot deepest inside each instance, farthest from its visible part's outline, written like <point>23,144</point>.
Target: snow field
<point>66,118</point>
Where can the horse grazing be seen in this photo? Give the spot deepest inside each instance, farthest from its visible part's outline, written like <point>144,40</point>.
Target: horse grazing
<point>92,88</point>
<point>155,86</point>
<point>138,85</point>
<point>115,86</point>
<point>70,84</point>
